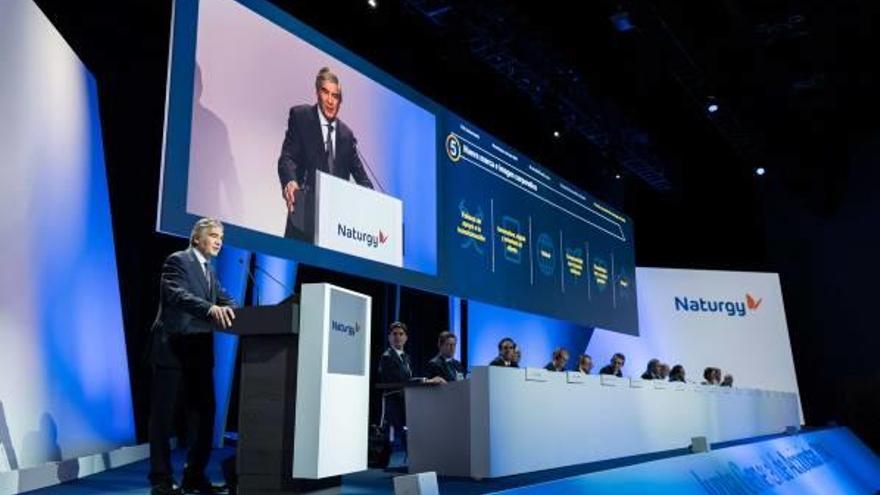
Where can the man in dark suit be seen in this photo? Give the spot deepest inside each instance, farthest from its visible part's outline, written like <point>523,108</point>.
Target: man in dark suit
<point>316,140</point>
<point>506,354</point>
<point>395,367</point>
<point>559,360</point>
<point>615,367</point>
<point>652,371</point>
<point>191,304</point>
<point>444,363</point>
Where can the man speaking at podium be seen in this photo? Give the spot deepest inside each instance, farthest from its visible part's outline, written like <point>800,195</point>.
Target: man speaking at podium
<point>191,304</point>
<point>316,140</point>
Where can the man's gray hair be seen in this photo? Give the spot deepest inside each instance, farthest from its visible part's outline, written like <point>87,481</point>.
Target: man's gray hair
<point>326,75</point>
<point>201,226</point>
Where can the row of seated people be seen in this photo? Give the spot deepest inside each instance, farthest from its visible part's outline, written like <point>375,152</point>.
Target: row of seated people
<point>509,356</point>
<point>395,367</point>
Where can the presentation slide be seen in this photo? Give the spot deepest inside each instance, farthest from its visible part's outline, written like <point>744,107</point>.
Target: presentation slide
<point>520,236</point>
<point>306,151</point>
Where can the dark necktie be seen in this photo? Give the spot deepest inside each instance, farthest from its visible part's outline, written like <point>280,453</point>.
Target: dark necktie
<point>208,277</point>
<point>406,368</point>
<point>450,372</point>
<point>328,146</point>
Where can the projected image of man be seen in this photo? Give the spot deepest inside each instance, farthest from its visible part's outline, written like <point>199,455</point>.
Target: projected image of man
<point>316,139</point>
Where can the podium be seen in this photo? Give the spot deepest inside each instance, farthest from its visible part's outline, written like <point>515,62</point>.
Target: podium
<point>357,220</point>
<point>304,391</point>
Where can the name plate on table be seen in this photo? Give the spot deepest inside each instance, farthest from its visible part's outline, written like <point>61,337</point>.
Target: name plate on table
<point>661,384</point>
<point>575,377</point>
<point>537,374</point>
<point>638,383</point>
<point>613,381</point>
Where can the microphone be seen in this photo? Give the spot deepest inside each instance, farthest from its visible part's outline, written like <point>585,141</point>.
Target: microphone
<point>281,284</point>
<point>255,267</point>
<point>370,170</point>
<point>253,281</point>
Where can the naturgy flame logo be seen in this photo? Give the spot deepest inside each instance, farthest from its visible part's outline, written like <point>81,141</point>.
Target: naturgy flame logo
<point>730,308</point>
<point>751,303</point>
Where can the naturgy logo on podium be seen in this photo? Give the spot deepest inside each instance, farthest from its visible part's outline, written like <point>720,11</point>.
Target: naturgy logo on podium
<point>371,240</point>
<point>345,328</point>
<point>724,307</point>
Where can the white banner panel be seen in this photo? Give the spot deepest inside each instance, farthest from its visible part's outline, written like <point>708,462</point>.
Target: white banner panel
<point>372,230</point>
<point>700,318</point>
<point>332,382</point>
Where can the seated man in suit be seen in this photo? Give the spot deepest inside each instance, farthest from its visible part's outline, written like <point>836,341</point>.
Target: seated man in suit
<point>677,374</point>
<point>615,366</point>
<point>395,367</point>
<point>181,355</point>
<point>652,371</point>
<point>585,364</point>
<point>444,363</point>
<point>506,354</point>
<point>559,361</point>
<point>316,140</point>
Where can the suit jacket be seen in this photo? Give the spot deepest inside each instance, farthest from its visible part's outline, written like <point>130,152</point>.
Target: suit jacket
<point>302,153</point>
<point>500,362</point>
<point>609,370</point>
<point>438,366</point>
<point>182,324</point>
<point>551,367</point>
<point>393,368</point>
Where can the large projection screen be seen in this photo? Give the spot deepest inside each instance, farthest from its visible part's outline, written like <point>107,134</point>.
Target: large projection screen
<point>479,219</point>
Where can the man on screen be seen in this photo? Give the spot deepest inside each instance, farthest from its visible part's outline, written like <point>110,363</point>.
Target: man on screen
<point>181,353</point>
<point>316,140</point>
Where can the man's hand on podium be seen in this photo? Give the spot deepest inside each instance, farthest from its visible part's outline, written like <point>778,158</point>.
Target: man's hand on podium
<point>437,380</point>
<point>289,194</point>
<point>222,315</point>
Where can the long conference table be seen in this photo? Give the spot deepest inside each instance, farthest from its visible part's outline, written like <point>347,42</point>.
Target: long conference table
<point>507,421</point>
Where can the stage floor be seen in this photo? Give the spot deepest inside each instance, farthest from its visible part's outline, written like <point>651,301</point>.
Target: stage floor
<point>132,479</point>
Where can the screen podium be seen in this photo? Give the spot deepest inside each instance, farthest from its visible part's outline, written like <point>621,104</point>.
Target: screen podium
<point>304,391</point>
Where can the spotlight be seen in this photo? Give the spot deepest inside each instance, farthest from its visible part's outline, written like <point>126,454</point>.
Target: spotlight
<point>617,176</point>
<point>373,3</point>
<point>556,134</point>
<point>712,105</point>
<point>621,21</point>
<point>760,171</point>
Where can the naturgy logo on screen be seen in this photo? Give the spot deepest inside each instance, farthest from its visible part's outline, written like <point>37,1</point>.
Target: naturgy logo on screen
<point>728,308</point>
<point>345,328</point>
<point>371,240</point>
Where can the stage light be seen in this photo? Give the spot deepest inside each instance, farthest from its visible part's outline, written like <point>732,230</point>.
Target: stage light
<point>712,105</point>
<point>617,176</point>
<point>760,171</point>
<point>373,3</point>
<point>621,21</point>
<point>556,134</point>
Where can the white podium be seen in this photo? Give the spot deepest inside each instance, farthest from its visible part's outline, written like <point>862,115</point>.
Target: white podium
<point>356,220</point>
<point>332,382</point>
<point>304,391</point>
